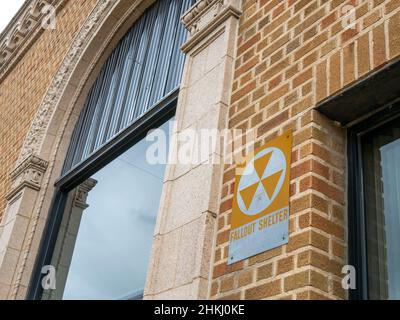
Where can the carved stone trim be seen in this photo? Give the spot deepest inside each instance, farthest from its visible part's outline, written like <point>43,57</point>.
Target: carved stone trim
<point>22,32</point>
<point>28,174</point>
<point>82,193</point>
<point>205,16</point>
<point>39,125</point>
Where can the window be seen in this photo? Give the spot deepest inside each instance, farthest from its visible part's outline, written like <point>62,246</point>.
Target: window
<point>374,205</point>
<point>99,233</point>
<point>105,237</point>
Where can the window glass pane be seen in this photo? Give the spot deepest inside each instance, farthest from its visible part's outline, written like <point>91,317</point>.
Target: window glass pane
<point>381,174</point>
<point>105,238</point>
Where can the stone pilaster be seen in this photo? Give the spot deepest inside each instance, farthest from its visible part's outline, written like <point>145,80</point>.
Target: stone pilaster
<point>183,241</point>
<point>26,184</point>
<point>67,235</point>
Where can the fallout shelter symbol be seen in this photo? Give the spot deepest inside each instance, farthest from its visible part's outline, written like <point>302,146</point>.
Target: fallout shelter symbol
<point>261,181</point>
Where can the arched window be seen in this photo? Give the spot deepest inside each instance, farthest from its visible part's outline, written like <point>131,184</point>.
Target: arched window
<point>100,229</point>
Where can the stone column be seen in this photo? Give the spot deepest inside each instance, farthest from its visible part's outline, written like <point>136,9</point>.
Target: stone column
<point>26,184</point>
<point>183,241</point>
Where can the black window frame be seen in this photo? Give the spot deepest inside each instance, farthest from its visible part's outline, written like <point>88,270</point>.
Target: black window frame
<point>357,245</point>
<point>154,118</point>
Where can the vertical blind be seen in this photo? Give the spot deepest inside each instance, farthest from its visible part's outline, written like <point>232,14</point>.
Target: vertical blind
<point>144,68</point>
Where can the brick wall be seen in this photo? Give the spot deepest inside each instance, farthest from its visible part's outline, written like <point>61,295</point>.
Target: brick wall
<point>292,54</point>
<point>23,89</point>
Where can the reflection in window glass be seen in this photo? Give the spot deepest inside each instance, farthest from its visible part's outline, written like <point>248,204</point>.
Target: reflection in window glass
<point>105,238</point>
<point>381,174</point>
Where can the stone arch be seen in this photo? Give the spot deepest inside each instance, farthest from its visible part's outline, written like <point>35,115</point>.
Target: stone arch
<point>46,144</point>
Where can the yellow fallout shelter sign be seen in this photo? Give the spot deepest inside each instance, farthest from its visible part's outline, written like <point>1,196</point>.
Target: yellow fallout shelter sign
<point>260,216</point>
